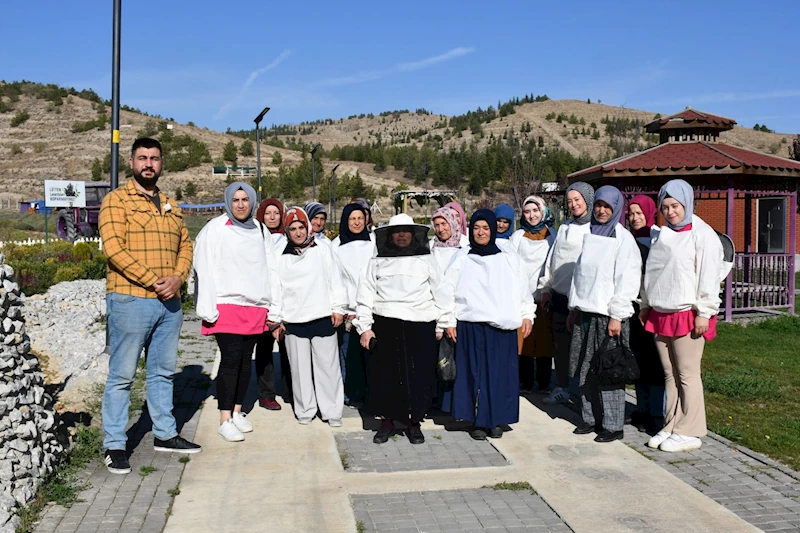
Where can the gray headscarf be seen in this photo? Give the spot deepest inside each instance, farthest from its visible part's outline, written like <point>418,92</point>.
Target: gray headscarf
<point>610,195</point>
<point>230,190</point>
<point>683,192</point>
<point>587,192</point>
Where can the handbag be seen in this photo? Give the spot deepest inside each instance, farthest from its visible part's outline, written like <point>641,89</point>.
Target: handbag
<point>446,361</point>
<point>615,366</point>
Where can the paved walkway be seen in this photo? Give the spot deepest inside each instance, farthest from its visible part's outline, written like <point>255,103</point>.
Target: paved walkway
<point>538,478</point>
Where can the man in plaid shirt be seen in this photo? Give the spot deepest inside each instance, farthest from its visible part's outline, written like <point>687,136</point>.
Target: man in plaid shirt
<point>149,258</point>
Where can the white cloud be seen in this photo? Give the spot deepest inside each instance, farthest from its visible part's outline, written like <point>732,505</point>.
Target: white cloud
<point>713,98</point>
<point>223,110</point>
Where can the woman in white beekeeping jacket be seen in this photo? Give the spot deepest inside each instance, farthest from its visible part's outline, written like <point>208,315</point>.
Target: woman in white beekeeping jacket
<point>397,311</point>
<point>557,277</point>
<point>353,248</point>
<point>533,242</point>
<point>237,293</point>
<point>447,238</point>
<point>312,289</point>
<point>604,285</point>
<point>486,297</point>
<point>318,216</point>
<point>680,302</point>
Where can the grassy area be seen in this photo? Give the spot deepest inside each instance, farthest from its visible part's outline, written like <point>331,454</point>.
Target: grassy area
<point>21,226</point>
<point>752,384</point>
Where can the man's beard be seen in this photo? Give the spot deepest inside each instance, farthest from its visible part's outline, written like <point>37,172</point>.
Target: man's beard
<point>146,182</point>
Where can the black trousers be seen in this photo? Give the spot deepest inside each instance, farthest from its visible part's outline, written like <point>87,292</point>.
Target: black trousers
<point>272,380</point>
<point>542,373</point>
<point>233,375</point>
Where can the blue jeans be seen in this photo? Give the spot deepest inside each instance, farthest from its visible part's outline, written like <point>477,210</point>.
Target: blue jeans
<point>135,324</point>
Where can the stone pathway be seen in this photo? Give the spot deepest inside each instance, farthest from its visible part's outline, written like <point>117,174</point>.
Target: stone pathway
<point>484,509</point>
<point>141,501</point>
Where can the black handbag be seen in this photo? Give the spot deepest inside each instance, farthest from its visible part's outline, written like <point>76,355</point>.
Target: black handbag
<point>446,362</point>
<point>615,366</point>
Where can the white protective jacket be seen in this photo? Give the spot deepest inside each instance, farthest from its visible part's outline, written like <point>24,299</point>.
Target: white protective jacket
<point>492,289</point>
<point>560,264</point>
<point>534,254</point>
<point>607,275</point>
<point>236,266</point>
<point>684,270</point>
<point>398,287</point>
<point>311,286</point>
<point>351,259</point>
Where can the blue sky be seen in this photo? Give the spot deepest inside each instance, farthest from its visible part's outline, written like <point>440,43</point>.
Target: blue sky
<point>219,63</point>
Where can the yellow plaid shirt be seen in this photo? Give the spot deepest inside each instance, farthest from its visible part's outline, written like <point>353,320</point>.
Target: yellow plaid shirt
<point>142,244</point>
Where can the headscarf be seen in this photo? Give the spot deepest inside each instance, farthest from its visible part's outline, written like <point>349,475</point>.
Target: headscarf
<point>365,204</point>
<point>262,208</point>
<point>491,247</point>
<point>462,216</point>
<point>345,235</point>
<point>295,214</point>
<point>648,207</point>
<point>507,212</point>
<point>683,192</point>
<point>451,217</point>
<point>232,189</point>
<point>402,222</point>
<point>313,209</point>
<point>547,217</point>
<point>587,192</point>
<point>610,195</point>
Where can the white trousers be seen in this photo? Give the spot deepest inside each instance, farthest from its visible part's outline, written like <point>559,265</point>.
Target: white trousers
<point>324,387</point>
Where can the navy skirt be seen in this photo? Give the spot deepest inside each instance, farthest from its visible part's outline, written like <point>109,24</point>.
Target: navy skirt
<point>486,389</point>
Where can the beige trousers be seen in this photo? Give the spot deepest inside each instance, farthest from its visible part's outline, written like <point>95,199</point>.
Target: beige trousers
<point>686,409</point>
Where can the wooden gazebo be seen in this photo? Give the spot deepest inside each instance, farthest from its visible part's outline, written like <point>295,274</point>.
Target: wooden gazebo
<point>750,196</point>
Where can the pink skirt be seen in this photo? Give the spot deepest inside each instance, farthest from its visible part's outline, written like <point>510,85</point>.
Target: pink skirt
<point>238,319</point>
<point>678,324</point>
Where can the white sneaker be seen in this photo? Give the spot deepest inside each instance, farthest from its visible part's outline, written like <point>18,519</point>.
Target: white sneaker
<point>241,422</point>
<point>228,431</point>
<point>557,395</point>
<point>679,443</point>
<point>305,421</point>
<point>335,422</point>
<point>656,440</point>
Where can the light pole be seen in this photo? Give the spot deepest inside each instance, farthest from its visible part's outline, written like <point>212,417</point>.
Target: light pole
<point>258,120</point>
<point>314,173</point>
<point>332,194</point>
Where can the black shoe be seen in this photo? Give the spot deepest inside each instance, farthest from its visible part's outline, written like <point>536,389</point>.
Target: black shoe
<point>608,436</point>
<point>382,435</point>
<point>116,462</point>
<point>414,434</point>
<point>584,429</point>
<point>176,444</point>
<point>639,421</point>
<point>478,433</point>
<point>496,433</point>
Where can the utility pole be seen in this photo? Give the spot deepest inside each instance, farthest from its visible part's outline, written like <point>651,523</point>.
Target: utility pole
<point>258,120</point>
<point>314,173</point>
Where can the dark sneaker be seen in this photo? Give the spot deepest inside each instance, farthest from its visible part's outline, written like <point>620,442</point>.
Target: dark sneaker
<point>414,434</point>
<point>496,433</point>
<point>478,433</point>
<point>116,462</point>
<point>608,436</point>
<point>176,444</point>
<point>270,404</point>
<point>585,429</point>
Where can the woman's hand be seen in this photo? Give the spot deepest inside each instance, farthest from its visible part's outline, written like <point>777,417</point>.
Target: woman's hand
<point>643,314</point>
<point>351,317</point>
<point>546,300</point>
<point>700,326</point>
<point>570,321</point>
<point>439,335</point>
<point>527,327</point>
<point>278,332</point>
<point>337,319</point>
<point>451,334</point>
<point>366,337</point>
<point>614,327</point>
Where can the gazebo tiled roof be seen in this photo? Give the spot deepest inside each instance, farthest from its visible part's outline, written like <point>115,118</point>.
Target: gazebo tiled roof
<point>691,118</point>
<point>692,156</point>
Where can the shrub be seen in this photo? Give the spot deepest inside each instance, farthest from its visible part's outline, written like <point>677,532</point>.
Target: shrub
<point>68,273</point>
<point>16,149</point>
<point>98,123</point>
<point>277,158</point>
<point>247,148</point>
<point>39,147</point>
<point>82,251</point>
<point>5,106</point>
<point>20,118</point>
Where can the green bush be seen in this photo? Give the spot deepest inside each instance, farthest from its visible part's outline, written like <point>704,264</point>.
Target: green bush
<point>82,251</point>
<point>69,273</point>
<point>20,118</point>
<point>16,149</point>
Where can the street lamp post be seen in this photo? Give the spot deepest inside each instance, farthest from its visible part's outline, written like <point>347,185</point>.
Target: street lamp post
<point>314,173</point>
<point>258,120</point>
<point>332,195</point>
